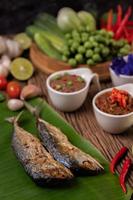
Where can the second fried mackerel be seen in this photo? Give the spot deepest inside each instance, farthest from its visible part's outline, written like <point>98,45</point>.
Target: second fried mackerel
<point>63,151</point>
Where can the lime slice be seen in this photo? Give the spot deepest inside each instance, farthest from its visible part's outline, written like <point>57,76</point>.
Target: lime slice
<point>21,69</point>
<point>24,40</point>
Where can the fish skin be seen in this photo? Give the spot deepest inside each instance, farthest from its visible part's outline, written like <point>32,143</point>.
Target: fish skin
<point>64,152</point>
<point>37,162</point>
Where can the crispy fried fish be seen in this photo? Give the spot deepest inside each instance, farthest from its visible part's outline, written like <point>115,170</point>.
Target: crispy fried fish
<point>37,162</point>
<point>63,151</point>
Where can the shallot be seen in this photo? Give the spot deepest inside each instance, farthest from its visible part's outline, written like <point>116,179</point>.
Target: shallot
<point>30,91</point>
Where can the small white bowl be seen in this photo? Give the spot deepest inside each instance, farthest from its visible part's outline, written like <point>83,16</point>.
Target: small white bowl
<point>71,101</point>
<point>120,79</point>
<point>114,124</point>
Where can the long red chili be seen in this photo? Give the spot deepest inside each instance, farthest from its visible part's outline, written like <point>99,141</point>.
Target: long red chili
<point>123,174</point>
<point>123,23</point>
<point>119,15</point>
<point>117,158</point>
<point>110,20</point>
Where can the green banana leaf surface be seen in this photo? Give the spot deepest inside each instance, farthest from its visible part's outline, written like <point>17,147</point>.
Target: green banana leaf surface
<point>15,184</point>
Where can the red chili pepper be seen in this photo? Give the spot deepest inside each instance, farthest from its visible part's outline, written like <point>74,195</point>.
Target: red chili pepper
<point>130,23</point>
<point>125,170</point>
<point>109,20</point>
<point>123,23</point>
<point>119,15</point>
<point>117,158</point>
<point>126,33</point>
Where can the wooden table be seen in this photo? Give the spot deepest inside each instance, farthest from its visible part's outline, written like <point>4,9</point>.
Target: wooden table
<point>84,122</point>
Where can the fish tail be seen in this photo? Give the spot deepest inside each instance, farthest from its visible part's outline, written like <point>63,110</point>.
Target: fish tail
<point>14,119</point>
<point>33,110</point>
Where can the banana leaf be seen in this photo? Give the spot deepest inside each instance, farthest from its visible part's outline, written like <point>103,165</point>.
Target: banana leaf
<point>15,184</point>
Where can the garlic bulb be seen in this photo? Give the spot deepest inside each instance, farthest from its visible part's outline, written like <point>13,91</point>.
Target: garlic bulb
<point>3,71</point>
<point>13,48</point>
<point>15,104</point>
<point>30,91</point>
<point>2,45</point>
<point>6,61</point>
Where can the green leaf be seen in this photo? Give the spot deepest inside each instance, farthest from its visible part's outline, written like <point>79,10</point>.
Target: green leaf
<point>15,184</point>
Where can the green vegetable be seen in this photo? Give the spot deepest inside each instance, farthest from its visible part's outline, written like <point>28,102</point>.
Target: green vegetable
<point>105,51</point>
<point>96,57</point>
<point>55,40</point>
<point>93,47</point>
<point>124,51</point>
<point>68,36</point>
<point>79,58</point>
<point>48,22</point>
<point>2,97</point>
<point>81,49</point>
<point>87,19</point>
<point>64,58</point>
<point>69,83</point>
<point>45,46</point>
<point>80,79</point>
<point>89,53</point>
<point>96,49</point>
<point>90,62</point>
<point>72,62</point>
<point>57,77</point>
<point>68,19</point>
<point>32,30</point>
<point>88,45</point>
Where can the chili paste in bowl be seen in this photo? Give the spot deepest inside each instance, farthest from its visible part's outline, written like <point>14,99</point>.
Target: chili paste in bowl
<point>113,108</point>
<point>68,89</point>
<point>67,83</point>
<point>115,102</point>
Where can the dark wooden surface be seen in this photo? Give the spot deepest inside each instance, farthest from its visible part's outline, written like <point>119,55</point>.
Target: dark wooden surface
<point>84,122</point>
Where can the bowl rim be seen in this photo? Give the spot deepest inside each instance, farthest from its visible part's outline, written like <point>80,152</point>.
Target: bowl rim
<point>121,75</point>
<point>104,113</point>
<point>65,93</point>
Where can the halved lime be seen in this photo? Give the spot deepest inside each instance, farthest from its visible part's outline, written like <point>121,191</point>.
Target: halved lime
<point>24,40</point>
<point>21,69</point>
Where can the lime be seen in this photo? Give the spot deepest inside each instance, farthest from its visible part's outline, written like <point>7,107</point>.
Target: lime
<point>23,40</point>
<point>21,69</point>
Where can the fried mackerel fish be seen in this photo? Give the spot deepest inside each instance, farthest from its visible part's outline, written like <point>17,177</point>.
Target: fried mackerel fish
<point>63,151</point>
<point>37,162</point>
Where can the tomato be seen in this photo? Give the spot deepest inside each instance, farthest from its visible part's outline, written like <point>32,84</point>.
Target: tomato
<point>3,83</point>
<point>13,89</point>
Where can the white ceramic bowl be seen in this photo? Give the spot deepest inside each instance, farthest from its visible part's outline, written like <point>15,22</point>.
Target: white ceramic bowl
<point>114,123</point>
<point>71,101</point>
<point>120,79</point>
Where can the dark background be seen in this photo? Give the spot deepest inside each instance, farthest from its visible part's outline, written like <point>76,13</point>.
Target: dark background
<point>16,14</point>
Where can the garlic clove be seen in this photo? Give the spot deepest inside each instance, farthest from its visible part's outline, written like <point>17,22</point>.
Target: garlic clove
<point>15,104</point>
<point>3,71</point>
<point>6,61</point>
<point>30,91</point>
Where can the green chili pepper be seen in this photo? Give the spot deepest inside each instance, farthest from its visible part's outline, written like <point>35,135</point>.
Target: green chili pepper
<point>69,83</point>
<point>57,77</point>
<point>80,79</point>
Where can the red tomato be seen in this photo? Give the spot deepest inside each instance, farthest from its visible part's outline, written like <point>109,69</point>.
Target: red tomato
<point>3,83</point>
<point>13,89</point>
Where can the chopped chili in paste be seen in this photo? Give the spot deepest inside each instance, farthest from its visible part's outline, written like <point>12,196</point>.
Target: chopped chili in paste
<point>116,102</point>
